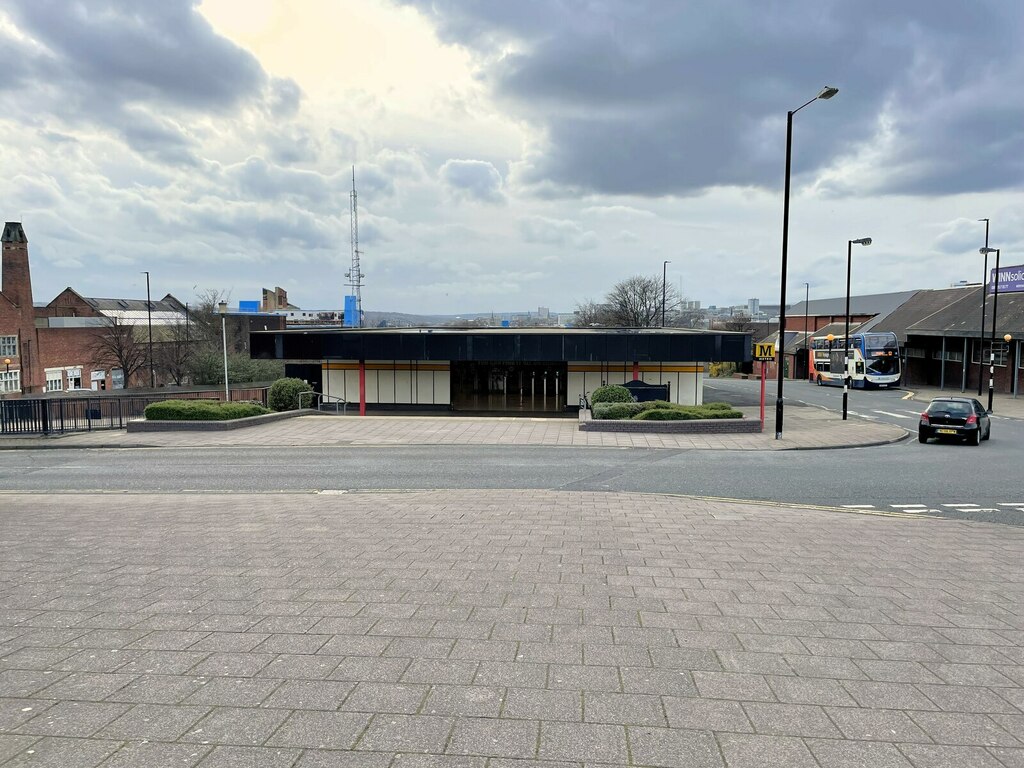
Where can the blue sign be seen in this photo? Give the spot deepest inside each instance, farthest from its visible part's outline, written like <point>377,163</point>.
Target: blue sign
<point>248,306</point>
<point>506,323</point>
<point>351,312</point>
<point>1011,279</point>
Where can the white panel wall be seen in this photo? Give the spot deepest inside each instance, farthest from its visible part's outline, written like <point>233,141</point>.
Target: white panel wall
<point>388,383</point>
<point>686,387</point>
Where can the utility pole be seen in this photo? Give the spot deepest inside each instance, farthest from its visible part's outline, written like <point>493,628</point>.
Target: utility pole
<point>149,319</point>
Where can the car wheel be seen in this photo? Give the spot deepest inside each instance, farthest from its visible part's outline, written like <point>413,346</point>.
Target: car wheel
<point>975,438</point>
<point>922,436</point>
<point>988,433</point>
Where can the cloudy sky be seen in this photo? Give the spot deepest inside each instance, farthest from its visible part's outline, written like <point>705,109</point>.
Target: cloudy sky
<point>508,155</point>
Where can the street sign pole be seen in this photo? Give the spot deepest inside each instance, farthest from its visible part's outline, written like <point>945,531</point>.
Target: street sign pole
<point>762,395</point>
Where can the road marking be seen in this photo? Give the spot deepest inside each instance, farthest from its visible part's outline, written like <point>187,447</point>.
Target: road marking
<point>894,415</point>
<point>960,506</point>
<point>908,506</point>
<point>857,506</point>
<point>1010,504</point>
<point>907,396</point>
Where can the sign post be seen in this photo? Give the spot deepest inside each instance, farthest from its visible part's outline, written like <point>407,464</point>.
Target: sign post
<point>764,353</point>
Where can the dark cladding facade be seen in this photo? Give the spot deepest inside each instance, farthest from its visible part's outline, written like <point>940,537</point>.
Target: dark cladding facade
<point>499,369</point>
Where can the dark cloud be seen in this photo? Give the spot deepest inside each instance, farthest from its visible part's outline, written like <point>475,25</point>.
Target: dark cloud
<point>151,51</point>
<point>474,180</point>
<point>650,97</point>
<point>158,139</point>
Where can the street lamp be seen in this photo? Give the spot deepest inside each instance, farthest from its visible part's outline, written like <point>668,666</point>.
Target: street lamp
<point>826,93</point>
<point>664,289</point>
<point>7,376</point>
<point>846,355</point>
<point>992,339</point>
<point>1016,364</point>
<point>984,295</point>
<point>223,307</point>
<point>149,319</point>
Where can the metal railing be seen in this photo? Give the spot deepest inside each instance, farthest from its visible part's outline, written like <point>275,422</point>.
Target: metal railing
<point>320,396</point>
<point>58,415</point>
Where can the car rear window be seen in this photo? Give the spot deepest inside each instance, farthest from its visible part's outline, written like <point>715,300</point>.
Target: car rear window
<point>950,407</point>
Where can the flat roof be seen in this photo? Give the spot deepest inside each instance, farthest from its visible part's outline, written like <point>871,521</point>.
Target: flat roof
<point>529,331</point>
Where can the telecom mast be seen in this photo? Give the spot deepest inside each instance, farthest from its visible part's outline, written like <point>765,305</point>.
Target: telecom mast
<point>354,301</point>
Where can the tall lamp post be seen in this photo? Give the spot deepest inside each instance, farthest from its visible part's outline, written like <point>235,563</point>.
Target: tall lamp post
<point>223,307</point>
<point>149,322</point>
<point>664,290</point>
<point>3,392</point>
<point>1011,366</point>
<point>984,295</point>
<point>992,338</point>
<point>846,341</point>
<point>826,93</point>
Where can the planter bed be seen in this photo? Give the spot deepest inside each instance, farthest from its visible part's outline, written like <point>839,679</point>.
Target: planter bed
<point>681,427</point>
<point>213,426</point>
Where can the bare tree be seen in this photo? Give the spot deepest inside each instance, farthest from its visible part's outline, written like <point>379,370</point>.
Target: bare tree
<point>174,352</point>
<point>590,313</point>
<point>637,302</point>
<point>116,344</point>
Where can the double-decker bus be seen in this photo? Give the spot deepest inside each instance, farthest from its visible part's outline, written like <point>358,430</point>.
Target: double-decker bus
<point>874,361</point>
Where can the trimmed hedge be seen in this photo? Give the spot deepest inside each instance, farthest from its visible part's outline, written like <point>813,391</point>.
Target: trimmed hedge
<point>717,406</point>
<point>284,394</point>
<point>201,410</point>
<point>611,393</point>
<point>618,410</point>
<point>686,412</point>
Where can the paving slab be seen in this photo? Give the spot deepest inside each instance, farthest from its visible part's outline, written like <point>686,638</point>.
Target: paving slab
<point>517,629</point>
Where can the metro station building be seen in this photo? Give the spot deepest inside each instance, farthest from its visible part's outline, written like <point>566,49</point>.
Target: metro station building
<point>500,370</point>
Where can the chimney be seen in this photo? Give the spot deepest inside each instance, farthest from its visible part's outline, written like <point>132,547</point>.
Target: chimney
<point>17,282</point>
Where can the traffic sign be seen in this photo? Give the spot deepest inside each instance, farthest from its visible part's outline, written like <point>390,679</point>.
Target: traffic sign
<point>764,352</point>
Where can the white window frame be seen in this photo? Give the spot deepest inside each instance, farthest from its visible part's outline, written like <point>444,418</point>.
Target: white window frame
<point>54,376</point>
<point>10,381</point>
<point>8,346</point>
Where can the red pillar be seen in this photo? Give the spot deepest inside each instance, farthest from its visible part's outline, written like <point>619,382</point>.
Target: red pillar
<point>636,371</point>
<point>362,387</point>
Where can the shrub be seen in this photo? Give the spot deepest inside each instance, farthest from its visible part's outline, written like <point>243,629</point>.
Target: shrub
<point>284,394</point>
<point>717,406</point>
<point>201,410</point>
<point>611,393</point>
<point>664,414</point>
<point>617,410</point>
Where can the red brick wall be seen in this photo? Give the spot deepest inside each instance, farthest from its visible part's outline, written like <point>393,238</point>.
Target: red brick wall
<point>17,317</point>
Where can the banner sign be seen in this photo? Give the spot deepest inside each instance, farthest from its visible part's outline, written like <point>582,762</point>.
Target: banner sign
<point>1011,279</point>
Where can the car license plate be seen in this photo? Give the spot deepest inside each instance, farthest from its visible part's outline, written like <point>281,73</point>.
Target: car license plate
<point>946,431</point>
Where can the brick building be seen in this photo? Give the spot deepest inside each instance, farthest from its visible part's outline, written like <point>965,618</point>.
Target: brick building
<point>49,348</point>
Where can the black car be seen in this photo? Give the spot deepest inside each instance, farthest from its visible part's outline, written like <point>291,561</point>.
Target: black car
<point>958,418</point>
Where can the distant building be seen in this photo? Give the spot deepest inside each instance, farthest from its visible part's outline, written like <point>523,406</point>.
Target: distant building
<point>543,313</point>
<point>275,300</point>
<point>753,307</point>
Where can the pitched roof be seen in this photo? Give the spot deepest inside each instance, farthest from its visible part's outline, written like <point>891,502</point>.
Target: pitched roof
<point>962,318</point>
<point>921,306</point>
<point>872,304</point>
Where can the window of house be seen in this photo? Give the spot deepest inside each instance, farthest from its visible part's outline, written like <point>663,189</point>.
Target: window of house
<point>8,346</point>
<point>54,380</point>
<point>10,381</point>
<point>74,378</point>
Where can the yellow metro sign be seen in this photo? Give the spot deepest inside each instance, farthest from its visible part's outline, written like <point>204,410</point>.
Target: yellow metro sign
<point>764,352</point>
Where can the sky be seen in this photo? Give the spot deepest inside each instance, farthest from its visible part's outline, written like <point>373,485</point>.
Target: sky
<point>508,155</point>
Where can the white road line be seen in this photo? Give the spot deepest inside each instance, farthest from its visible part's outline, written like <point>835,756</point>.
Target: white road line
<point>1010,504</point>
<point>960,506</point>
<point>908,506</point>
<point>858,506</point>
<point>894,415</point>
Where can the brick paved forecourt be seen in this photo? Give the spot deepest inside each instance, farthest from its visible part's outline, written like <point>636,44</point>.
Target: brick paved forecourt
<point>497,629</point>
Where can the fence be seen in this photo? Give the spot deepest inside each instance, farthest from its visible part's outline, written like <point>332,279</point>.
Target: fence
<point>57,415</point>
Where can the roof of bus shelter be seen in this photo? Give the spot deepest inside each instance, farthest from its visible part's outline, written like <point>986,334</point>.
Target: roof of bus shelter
<point>504,344</point>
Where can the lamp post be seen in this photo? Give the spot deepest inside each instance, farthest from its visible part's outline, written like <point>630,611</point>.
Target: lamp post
<point>1011,368</point>
<point>846,341</point>
<point>664,290</point>
<point>984,295</point>
<point>826,93</point>
<point>223,307</point>
<point>149,322</point>
<point>992,338</point>
<point>7,384</point>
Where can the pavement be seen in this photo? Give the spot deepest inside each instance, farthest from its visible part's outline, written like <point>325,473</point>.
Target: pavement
<point>498,628</point>
<point>502,629</point>
<point>804,428</point>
